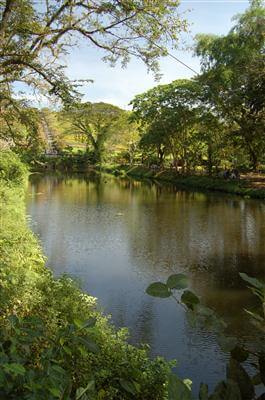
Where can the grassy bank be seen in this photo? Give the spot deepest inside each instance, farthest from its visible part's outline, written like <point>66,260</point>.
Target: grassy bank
<point>239,187</point>
<point>54,343</point>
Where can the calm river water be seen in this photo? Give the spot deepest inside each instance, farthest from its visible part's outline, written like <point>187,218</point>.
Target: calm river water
<point>118,235</point>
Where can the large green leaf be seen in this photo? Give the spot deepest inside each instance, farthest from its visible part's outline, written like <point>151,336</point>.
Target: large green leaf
<point>158,289</point>
<point>177,390</point>
<point>189,299</point>
<point>253,281</point>
<point>203,394</point>
<point>88,343</point>
<point>129,386</point>
<point>228,390</point>
<point>14,369</point>
<point>237,373</point>
<point>240,354</point>
<point>177,281</point>
<point>81,391</point>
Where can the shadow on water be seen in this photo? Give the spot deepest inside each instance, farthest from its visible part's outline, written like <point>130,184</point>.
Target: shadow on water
<point>118,235</point>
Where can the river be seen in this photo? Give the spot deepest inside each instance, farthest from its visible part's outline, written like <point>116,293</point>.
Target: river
<point>116,236</point>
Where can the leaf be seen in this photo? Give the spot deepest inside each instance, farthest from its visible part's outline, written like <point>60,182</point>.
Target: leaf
<point>177,281</point>
<point>238,374</point>
<point>158,289</point>
<point>55,391</point>
<point>228,390</point>
<point>177,390</point>
<point>89,344</point>
<point>128,386</point>
<point>189,299</point>
<point>203,394</point>
<point>240,354</point>
<point>227,343</point>
<point>253,281</point>
<point>81,391</point>
<point>80,324</point>
<point>89,323</point>
<point>14,368</point>
<point>58,369</point>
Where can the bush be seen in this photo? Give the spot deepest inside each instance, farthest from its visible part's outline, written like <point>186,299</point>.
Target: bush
<point>54,343</point>
<point>11,168</point>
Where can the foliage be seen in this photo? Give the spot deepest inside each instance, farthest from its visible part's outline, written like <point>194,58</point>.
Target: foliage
<point>93,123</point>
<point>239,384</point>
<point>19,128</point>
<point>233,78</point>
<point>174,120</point>
<point>217,118</point>
<point>33,37</point>
<point>218,184</point>
<point>11,168</point>
<point>54,343</point>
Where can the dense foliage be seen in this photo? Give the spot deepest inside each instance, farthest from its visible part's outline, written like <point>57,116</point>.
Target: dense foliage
<point>54,344</point>
<point>218,118</point>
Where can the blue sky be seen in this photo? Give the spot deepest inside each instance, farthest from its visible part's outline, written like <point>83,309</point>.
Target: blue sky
<point>119,86</point>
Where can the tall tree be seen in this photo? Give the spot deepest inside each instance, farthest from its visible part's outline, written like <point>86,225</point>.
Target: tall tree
<point>94,123</point>
<point>233,76</point>
<point>169,116</point>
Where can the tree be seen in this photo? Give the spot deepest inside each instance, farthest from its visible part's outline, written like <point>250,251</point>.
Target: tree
<point>19,128</point>
<point>233,77</point>
<point>94,123</point>
<point>170,117</point>
<point>33,36</point>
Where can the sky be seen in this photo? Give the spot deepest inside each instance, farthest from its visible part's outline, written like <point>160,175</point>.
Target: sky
<point>118,86</point>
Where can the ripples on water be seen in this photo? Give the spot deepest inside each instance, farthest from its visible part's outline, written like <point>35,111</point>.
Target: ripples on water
<point>118,235</point>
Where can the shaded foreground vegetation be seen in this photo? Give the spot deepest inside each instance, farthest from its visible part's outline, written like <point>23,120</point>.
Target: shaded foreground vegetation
<point>54,344</point>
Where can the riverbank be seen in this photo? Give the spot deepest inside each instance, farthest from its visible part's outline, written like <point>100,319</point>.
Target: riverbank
<point>244,187</point>
<point>55,343</point>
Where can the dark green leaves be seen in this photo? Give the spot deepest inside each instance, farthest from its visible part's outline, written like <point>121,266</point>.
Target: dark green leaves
<point>14,369</point>
<point>190,299</point>
<point>81,391</point>
<point>237,373</point>
<point>158,289</point>
<point>177,389</point>
<point>240,354</point>
<point>203,394</point>
<point>228,390</point>
<point>252,281</point>
<point>177,281</point>
<point>163,290</point>
<point>129,386</point>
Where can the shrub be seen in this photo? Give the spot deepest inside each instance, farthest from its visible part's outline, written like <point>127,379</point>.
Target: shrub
<point>11,168</point>
<point>54,343</point>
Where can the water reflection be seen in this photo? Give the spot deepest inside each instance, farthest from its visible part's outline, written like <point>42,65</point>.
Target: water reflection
<point>118,235</point>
